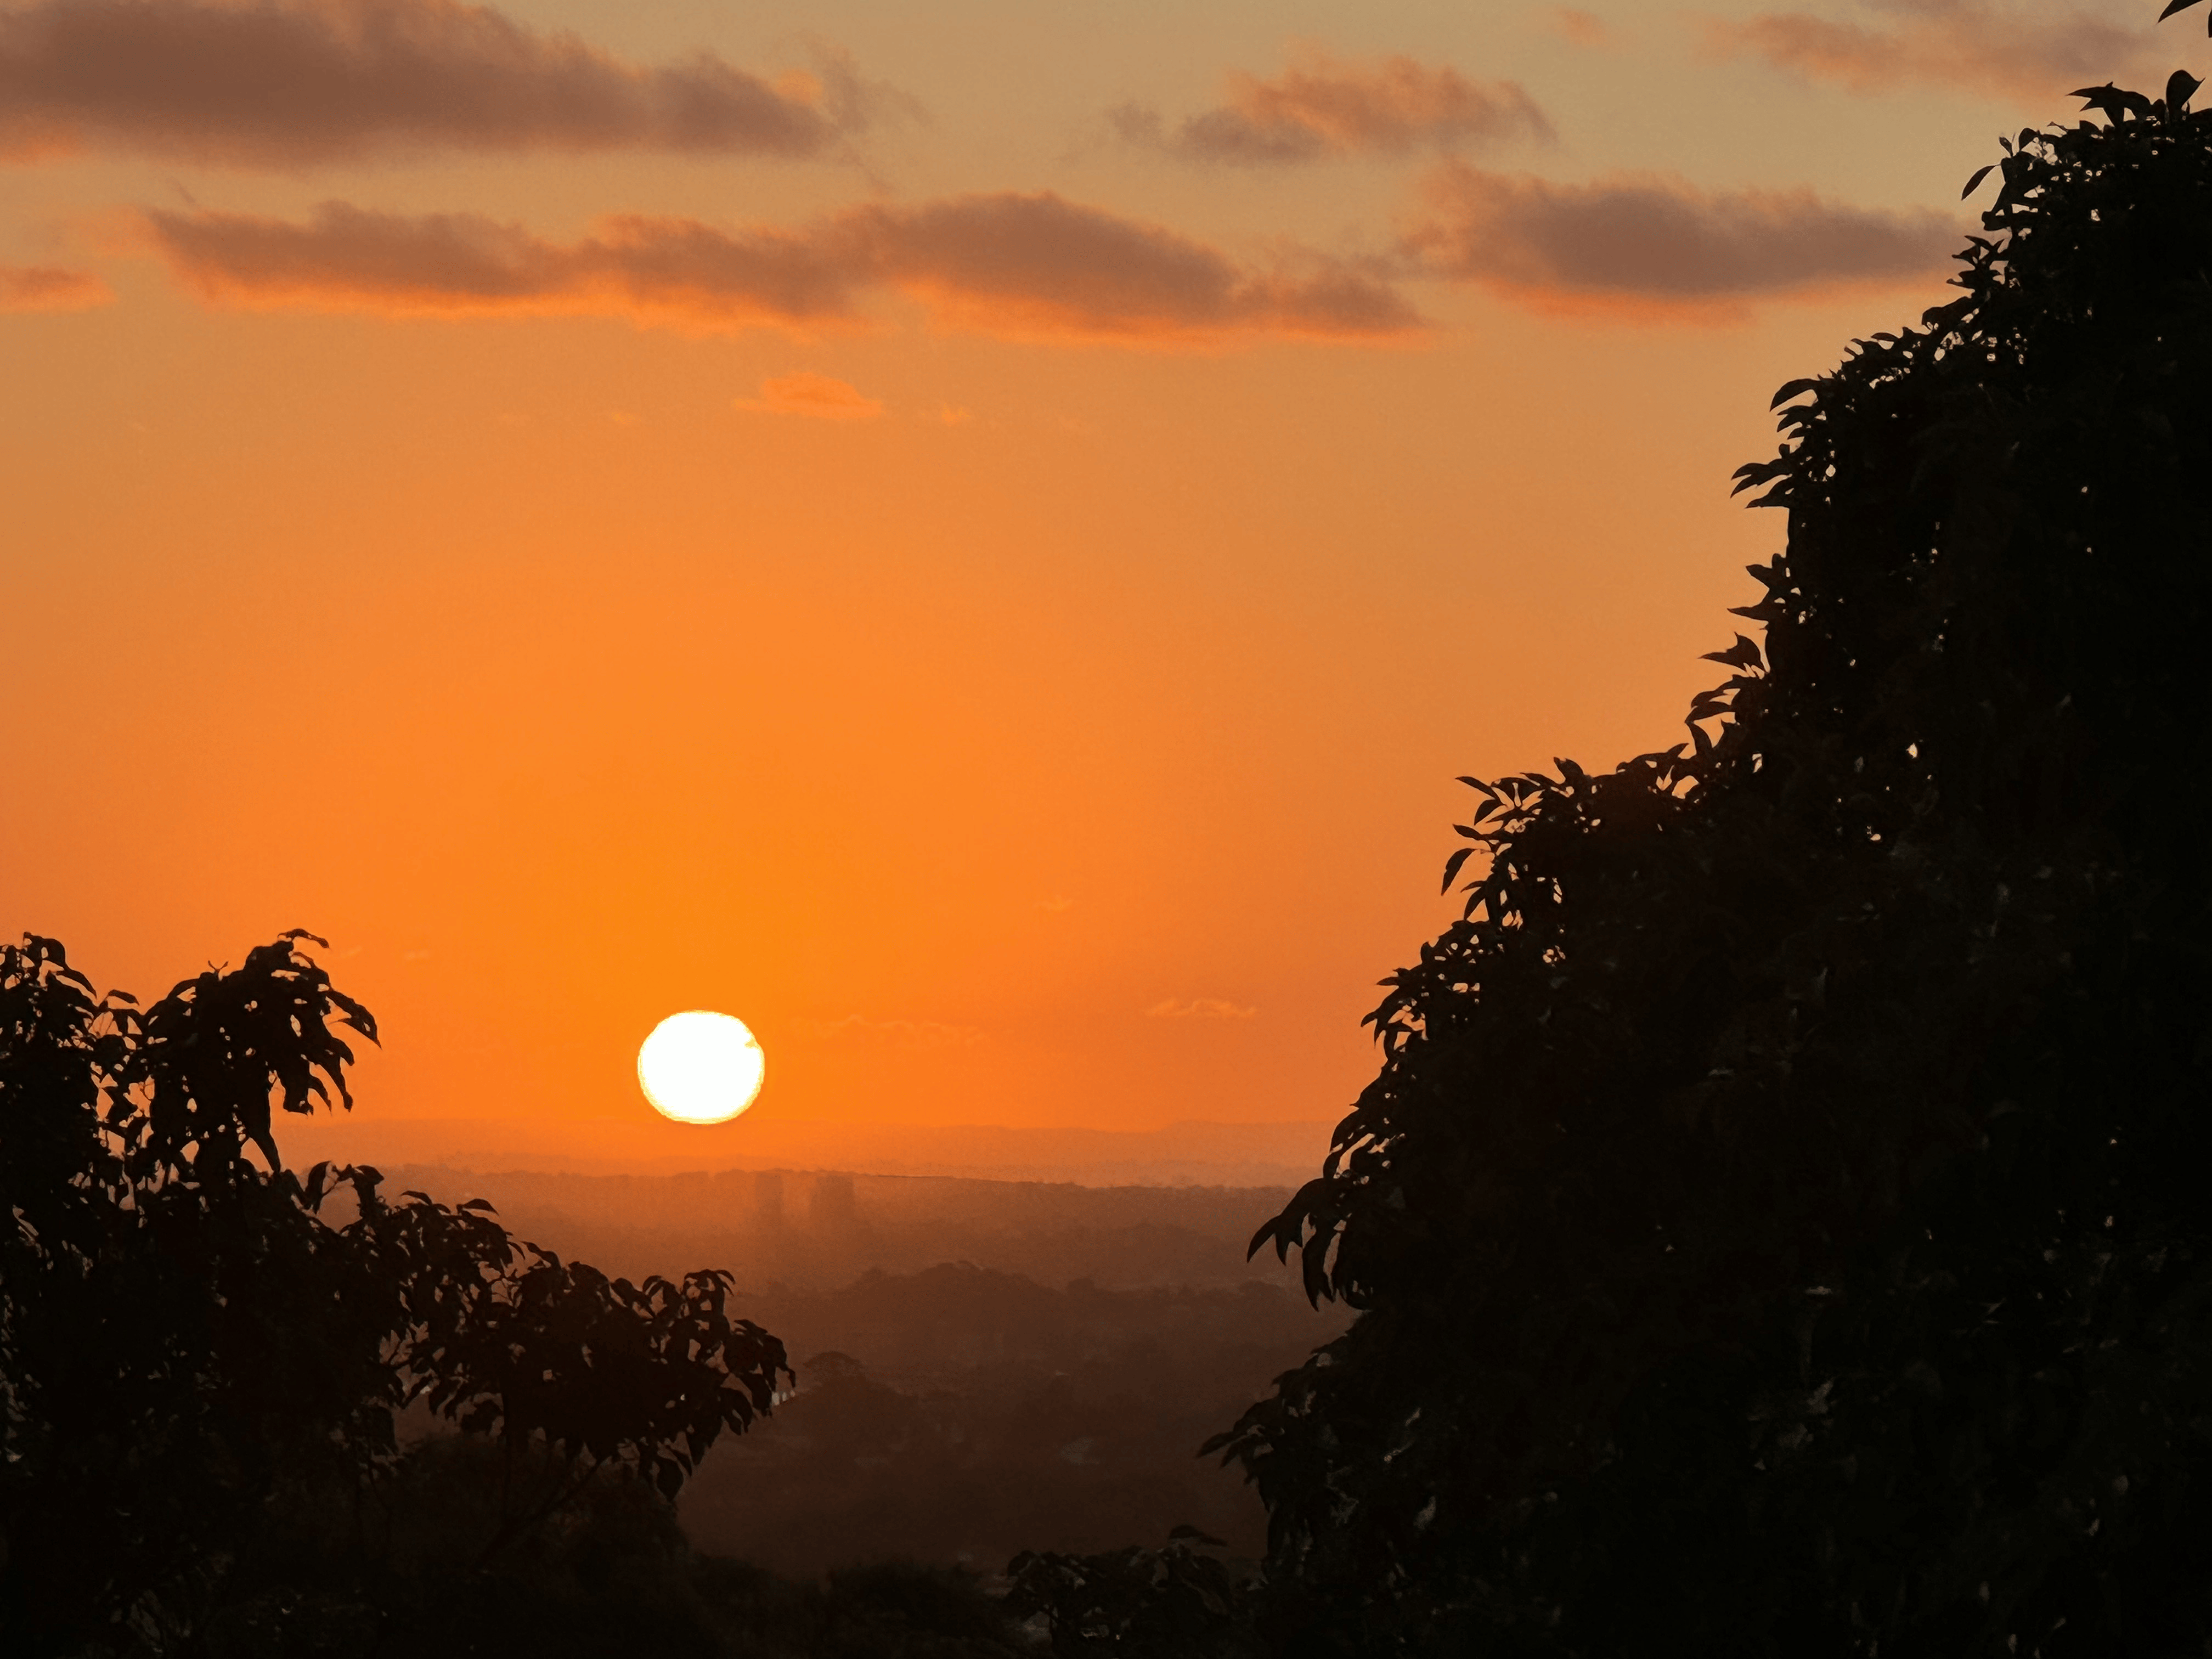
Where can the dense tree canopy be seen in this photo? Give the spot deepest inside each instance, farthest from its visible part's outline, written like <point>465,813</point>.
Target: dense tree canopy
<point>189,1344</point>
<point>1778,1224</point>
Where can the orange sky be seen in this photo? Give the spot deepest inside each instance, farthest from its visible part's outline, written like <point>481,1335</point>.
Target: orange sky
<point>976,537</point>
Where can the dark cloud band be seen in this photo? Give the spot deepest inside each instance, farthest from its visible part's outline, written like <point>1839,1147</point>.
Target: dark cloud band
<point>319,80</point>
<point>1658,240</point>
<point>1019,265</point>
<point>1961,44</point>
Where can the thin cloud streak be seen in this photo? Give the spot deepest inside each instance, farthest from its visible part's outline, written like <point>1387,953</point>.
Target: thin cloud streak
<point>51,287</point>
<point>305,81</point>
<point>1581,28</point>
<point>1019,266</point>
<point>815,397</point>
<point>2009,53</point>
<point>1199,1008</point>
<point>1654,244</point>
<point>459,265</point>
<point>1323,107</point>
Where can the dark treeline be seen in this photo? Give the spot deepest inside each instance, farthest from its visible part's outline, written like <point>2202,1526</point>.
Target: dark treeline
<point>958,1416</point>
<point>1777,1227</point>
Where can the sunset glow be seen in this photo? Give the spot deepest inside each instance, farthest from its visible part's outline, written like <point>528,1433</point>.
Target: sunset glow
<point>1041,505</point>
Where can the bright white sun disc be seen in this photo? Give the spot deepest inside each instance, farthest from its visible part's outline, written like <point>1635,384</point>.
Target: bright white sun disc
<point>701,1067</point>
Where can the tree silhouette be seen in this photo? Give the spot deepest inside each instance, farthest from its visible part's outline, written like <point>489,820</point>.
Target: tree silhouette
<point>187,1341</point>
<point>1178,1602</point>
<point>1778,1224</point>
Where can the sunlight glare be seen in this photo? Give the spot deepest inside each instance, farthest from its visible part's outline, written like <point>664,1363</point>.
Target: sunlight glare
<point>701,1067</point>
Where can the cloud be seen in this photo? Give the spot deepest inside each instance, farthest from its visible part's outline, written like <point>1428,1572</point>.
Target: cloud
<point>1652,243</point>
<point>299,81</point>
<point>1012,265</point>
<point>1580,28</point>
<point>50,287</point>
<point>1198,1008</point>
<point>1041,266</point>
<point>814,396</point>
<point>1323,107</point>
<point>350,258</point>
<point>2029,56</point>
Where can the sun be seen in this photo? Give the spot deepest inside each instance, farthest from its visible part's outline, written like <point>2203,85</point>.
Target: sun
<point>701,1067</point>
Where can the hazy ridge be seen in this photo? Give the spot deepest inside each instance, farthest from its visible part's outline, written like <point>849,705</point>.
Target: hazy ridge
<point>811,1229</point>
<point>983,1366</point>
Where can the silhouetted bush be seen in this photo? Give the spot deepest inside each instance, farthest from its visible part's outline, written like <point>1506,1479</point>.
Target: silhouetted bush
<point>1778,1226</point>
<point>188,1348</point>
<point>610,1572</point>
<point>1178,1602</point>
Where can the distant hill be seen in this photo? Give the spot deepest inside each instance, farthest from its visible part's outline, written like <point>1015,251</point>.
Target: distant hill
<point>983,1366</point>
<point>814,1230</point>
<point>956,1415</point>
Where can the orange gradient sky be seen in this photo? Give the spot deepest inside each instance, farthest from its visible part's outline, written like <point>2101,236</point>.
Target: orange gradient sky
<point>974,536</point>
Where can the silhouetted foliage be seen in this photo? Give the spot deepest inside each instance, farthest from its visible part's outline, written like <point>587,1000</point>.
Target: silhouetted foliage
<point>187,1343</point>
<point>398,1576</point>
<point>1778,1225</point>
<point>1179,1602</point>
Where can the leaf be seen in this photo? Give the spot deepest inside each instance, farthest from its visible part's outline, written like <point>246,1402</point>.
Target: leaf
<point>2173,8</point>
<point>1452,867</point>
<point>1744,654</point>
<point>1974,183</point>
<point>2181,86</point>
<point>2115,102</point>
<point>1798,388</point>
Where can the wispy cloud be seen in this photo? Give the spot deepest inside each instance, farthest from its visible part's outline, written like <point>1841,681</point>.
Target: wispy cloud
<point>1199,1008</point>
<point>302,81</point>
<point>51,287</point>
<point>1324,106</point>
<point>817,397</point>
<point>1653,243</point>
<point>1012,265</point>
<point>1579,28</point>
<point>2028,55</point>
